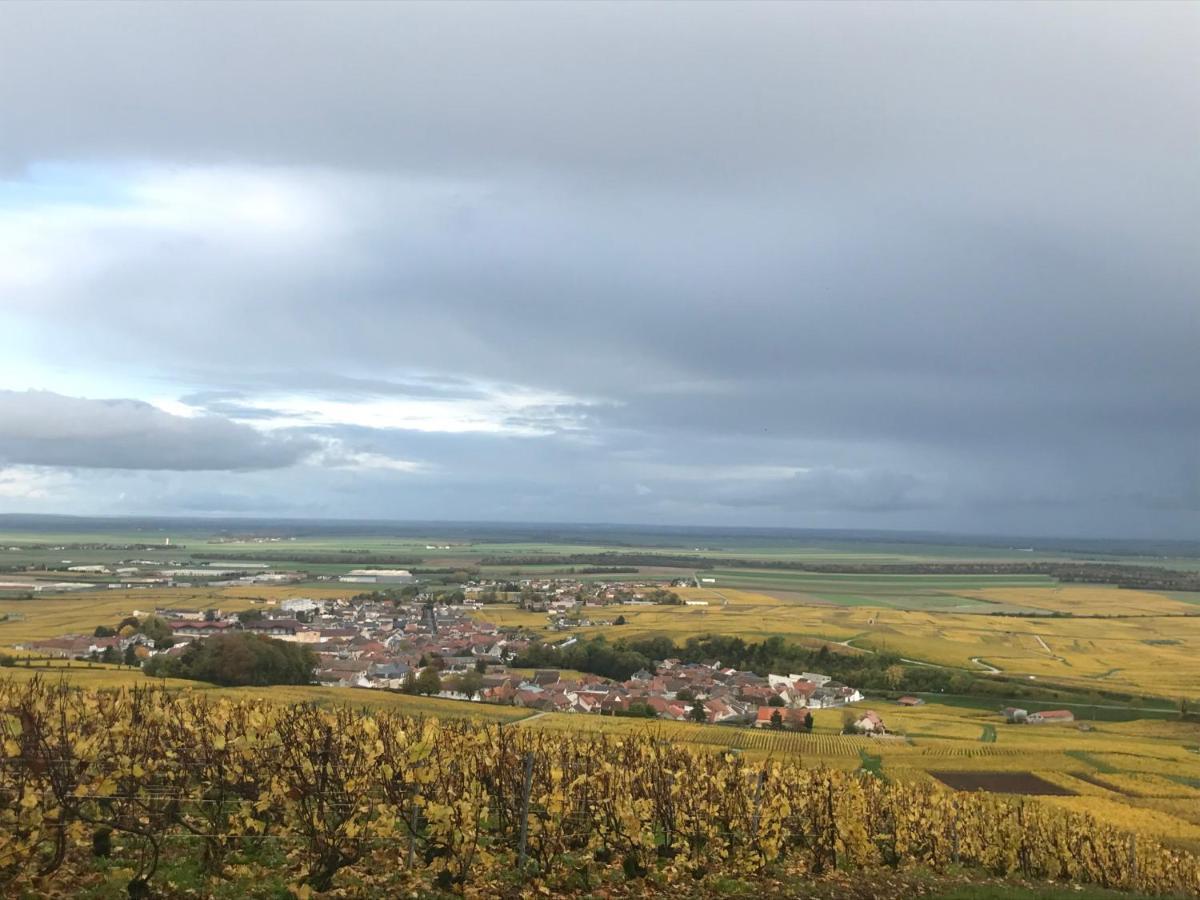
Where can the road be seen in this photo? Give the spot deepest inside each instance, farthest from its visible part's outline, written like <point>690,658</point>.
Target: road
<point>913,662</point>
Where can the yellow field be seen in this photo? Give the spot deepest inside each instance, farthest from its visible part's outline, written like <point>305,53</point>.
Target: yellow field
<point>1086,600</point>
<point>80,613</point>
<point>504,616</point>
<point>53,615</point>
<point>1155,653</point>
<point>99,676</point>
<point>941,738</point>
<point>1145,768</point>
<point>1125,813</point>
<point>95,676</point>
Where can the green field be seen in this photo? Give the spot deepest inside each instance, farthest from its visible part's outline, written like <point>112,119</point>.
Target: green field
<point>468,544</point>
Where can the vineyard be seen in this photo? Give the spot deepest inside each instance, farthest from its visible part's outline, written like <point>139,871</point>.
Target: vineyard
<point>385,801</point>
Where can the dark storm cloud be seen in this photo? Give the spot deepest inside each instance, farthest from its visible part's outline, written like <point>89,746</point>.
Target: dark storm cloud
<point>932,263</point>
<point>46,429</point>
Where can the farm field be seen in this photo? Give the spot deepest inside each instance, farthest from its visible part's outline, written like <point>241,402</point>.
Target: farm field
<point>949,740</point>
<point>24,541</point>
<point>1113,639</point>
<point>1144,768</point>
<point>1152,651</point>
<point>1147,769</point>
<point>52,615</point>
<point>1096,638</point>
<point>98,676</point>
<point>372,763</point>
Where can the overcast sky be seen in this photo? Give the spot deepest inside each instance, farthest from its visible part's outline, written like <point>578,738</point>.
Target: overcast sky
<point>847,265</point>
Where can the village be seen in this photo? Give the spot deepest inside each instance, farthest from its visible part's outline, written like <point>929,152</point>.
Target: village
<point>402,635</point>
<point>423,644</point>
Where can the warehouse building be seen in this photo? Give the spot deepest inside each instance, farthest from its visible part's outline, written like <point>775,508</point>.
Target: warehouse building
<point>378,576</point>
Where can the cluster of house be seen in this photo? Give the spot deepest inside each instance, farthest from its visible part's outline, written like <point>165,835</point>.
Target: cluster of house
<point>1047,716</point>
<point>357,643</point>
<point>570,603</point>
<point>378,644</point>
<point>368,643</point>
<point>677,690</point>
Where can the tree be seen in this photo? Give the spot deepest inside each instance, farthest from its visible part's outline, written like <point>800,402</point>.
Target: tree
<point>110,655</point>
<point>698,713</point>
<point>246,659</point>
<point>686,694</point>
<point>470,684</point>
<point>776,700</point>
<point>961,683</point>
<point>894,676</point>
<point>808,722</point>
<point>620,620</point>
<point>428,682</point>
<point>481,666</point>
<point>250,615</point>
<point>130,658</point>
<point>848,720</point>
<point>163,666</point>
<point>104,631</point>
<point>157,630</point>
<point>409,684</point>
<point>777,719</point>
<point>640,710</point>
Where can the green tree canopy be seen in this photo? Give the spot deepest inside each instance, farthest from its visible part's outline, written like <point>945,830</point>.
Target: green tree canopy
<point>239,659</point>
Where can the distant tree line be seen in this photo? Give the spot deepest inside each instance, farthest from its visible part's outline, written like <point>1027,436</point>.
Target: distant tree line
<point>335,557</point>
<point>99,546</point>
<point>620,659</point>
<point>606,559</point>
<point>1118,574</point>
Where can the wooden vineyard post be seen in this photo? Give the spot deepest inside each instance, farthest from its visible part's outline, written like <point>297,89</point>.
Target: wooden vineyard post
<point>954,833</point>
<point>412,826</point>
<point>758,796</point>
<point>1133,861</point>
<point>832,827</point>
<point>526,789</point>
<point>1022,853</point>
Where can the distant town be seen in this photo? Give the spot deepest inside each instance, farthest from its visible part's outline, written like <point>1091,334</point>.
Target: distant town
<point>404,639</point>
<point>403,635</point>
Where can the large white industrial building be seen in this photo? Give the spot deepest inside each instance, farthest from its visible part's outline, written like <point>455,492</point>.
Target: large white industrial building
<point>378,576</point>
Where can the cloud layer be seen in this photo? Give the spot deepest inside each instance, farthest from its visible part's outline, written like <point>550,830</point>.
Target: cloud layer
<point>836,265</point>
<point>41,428</point>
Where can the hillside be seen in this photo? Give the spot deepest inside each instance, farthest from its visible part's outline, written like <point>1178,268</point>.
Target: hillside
<point>125,784</point>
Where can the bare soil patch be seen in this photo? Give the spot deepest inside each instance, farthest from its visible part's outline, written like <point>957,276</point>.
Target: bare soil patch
<point>1002,783</point>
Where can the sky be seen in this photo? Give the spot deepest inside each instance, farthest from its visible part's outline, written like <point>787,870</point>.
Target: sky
<point>805,265</point>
